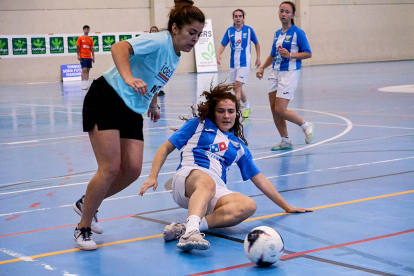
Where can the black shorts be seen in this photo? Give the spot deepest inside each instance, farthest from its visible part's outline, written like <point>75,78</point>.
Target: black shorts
<point>103,107</point>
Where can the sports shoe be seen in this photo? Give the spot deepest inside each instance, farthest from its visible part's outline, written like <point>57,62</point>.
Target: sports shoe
<point>283,146</point>
<point>83,238</point>
<point>84,87</point>
<point>96,228</point>
<point>174,231</point>
<point>309,132</point>
<point>193,240</point>
<point>247,112</point>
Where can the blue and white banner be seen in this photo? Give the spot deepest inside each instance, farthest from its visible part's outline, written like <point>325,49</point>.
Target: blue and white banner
<point>71,72</point>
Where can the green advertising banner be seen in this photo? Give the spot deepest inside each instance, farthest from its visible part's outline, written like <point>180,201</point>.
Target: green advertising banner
<point>4,46</point>
<point>19,46</point>
<point>56,45</point>
<point>43,45</point>
<point>124,37</point>
<point>95,43</point>
<point>108,41</point>
<point>38,45</point>
<point>72,44</point>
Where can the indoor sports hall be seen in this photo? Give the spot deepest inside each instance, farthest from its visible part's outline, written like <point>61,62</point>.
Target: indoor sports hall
<point>357,175</point>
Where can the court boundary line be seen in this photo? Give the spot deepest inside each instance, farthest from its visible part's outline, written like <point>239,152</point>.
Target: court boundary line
<point>247,220</point>
<point>295,255</point>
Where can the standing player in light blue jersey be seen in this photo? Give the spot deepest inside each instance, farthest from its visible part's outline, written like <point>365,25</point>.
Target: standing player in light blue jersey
<point>240,37</point>
<point>210,143</point>
<point>115,102</point>
<point>289,47</point>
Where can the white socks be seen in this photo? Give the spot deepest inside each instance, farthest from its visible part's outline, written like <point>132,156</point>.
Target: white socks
<point>195,223</point>
<point>286,139</point>
<point>246,105</point>
<point>203,225</point>
<point>304,125</point>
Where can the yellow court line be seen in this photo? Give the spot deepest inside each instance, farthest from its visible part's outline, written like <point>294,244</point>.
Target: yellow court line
<point>333,205</point>
<point>160,235</point>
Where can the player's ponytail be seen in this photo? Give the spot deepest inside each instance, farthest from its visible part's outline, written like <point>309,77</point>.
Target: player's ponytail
<point>293,9</point>
<point>184,12</point>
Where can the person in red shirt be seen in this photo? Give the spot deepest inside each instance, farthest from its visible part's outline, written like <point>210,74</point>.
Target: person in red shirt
<point>86,54</point>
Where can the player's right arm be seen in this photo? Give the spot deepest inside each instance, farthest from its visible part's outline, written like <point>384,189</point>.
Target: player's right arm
<point>221,49</point>
<point>120,54</point>
<point>78,52</point>
<point>157,163</point>
<point>268,62</point>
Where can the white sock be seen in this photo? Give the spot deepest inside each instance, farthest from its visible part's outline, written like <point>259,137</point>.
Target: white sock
<point>193,223</point>
<point>286,139</point>
<point>304,125</point>
<point>246,105</point>
<point>203,224</point>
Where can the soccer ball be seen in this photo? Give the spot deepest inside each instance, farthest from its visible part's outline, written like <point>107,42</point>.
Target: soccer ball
<point>263,246</point>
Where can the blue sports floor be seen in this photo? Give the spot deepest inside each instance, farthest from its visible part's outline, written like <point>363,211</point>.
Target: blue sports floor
<point>357,175</point>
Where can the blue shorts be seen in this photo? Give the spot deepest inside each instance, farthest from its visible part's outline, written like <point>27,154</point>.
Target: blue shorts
<point>86,62</point>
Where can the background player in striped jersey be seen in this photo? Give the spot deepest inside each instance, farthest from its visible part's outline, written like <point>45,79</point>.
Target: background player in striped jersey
<point>240,37</point>
<point>210,143</point>
<point>289,47</point>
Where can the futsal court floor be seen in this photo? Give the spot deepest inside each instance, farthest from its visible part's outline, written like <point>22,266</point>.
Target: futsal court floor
<point>357,175</point>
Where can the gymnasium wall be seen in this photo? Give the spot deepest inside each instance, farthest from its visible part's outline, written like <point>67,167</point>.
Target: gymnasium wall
<point>339,31</point>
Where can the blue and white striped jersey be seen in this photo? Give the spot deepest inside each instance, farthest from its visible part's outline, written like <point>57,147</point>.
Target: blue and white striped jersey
<point>295,41</point>
<point>240,45</point>
<point>202,144</point>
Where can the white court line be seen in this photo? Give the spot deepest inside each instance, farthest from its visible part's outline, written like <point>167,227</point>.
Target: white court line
<point>168,191</point>
<point>25,258</point>
<point>62,186</point>
<point>348,129</point>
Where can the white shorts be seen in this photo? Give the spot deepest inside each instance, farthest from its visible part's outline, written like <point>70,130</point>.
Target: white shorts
<point>239,74</point>
<point>178,188</point>
<point>284,82</point>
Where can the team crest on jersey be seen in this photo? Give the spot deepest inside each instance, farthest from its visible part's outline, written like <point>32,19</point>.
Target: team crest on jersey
<point>218,147</point>
<point>244,35</point>
<point>288,38</point>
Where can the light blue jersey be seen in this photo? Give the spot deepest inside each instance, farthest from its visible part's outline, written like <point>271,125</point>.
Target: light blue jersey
<point>295,41</point>
<point>240,44</point>
<point>202,144</point>
<point>154,61</point>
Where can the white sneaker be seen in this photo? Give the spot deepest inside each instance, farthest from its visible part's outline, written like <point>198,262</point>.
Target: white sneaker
<point>193,240</point>
<point>174,231</point>
<point>96,228</point>
<point>283,146</point>
<point>83,238</point>
<point>84,87</point>
<point>309,132</point>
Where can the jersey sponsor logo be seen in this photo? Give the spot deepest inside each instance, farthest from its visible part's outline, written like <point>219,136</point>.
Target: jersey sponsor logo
<point>218,147</point>
<point>239,41</point>
<point>279,48</point>
<point>162,78</point>
<point>164,74</point>
<point>214,156</point>
<point>288,38</point>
